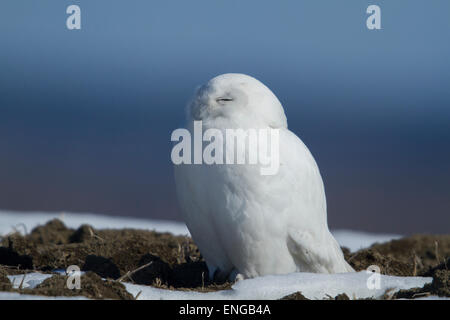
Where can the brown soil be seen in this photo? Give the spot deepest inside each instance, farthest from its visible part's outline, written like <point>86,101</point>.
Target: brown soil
<point>5,284</point>
<point>416,255</point>
<point>171,261</point>
<point>174,262</point>
<point>295,296</point>
<point>440,285</point>
<point>299,296</point>
<point>93,287</point>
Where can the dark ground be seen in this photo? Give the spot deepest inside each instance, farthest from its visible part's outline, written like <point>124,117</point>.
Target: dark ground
<point>174,262</point>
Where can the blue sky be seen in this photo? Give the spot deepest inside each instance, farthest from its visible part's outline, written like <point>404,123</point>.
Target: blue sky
<point>86,115</point>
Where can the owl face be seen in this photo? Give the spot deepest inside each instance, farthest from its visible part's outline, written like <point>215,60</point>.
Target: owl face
<point>219,98</point>
<point>238,98</point>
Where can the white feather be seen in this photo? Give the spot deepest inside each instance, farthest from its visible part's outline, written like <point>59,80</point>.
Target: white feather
<point>244,222</point>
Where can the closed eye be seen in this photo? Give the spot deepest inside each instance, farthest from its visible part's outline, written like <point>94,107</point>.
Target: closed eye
<point>224,99</point>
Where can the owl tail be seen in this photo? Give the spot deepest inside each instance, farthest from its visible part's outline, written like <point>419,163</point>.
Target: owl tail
<point>318,254</point>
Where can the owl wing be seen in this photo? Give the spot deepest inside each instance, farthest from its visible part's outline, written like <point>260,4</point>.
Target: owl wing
<point>192,192</point>
<point>309,241</point>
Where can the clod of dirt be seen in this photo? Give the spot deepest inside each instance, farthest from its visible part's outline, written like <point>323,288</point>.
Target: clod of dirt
<point>5,284</point>
<point>104,267</point>
<point>54,232</point>
<point>138,256</point>
<point>295,296</point>
<point>92,287</point>
<point>347,253</point>
<point>342,296</point>
<point>423,251</point>
<point>196,275</point>
<point>9,257</point>
<point>412,293</point>
<point>174,262</point>
<point>363,259</point>
<point>440,285</point>
<point>443,266</point>
<point>410,256</point>
<point>82,234</point>
<point>154,269</point>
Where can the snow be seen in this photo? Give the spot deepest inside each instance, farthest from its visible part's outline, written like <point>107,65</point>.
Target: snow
<point>29,280</point>
<point>355,240</point>
<point>430,298</point>
<point>313,286</point>
<point>25,221</point>
<point>18,296</point>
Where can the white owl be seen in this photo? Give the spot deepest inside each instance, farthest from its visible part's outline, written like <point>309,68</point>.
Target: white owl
<point>247,224</point>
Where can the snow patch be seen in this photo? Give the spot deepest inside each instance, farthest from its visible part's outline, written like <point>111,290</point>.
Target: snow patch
<point>311,285</point>
<point>18,296</point>
<point>355,240</point>
<point>26,221</point>
<point>29,280</point>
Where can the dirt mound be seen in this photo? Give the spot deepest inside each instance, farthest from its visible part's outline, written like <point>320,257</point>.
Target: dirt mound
<point>138,256</point>
<point>54,232</point>
<point>174,262</point>
<point>363,259</point>
<point>92,287</point>
<point>5,284</point>
<point>295,296</point>
<point>299,296</point>
<point>416,255</point>
<point>440,285</point>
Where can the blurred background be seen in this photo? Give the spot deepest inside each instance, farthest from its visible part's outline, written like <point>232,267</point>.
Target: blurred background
<point>86,115</point>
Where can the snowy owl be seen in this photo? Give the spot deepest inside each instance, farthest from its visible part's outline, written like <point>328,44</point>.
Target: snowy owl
<point>247,224</point>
